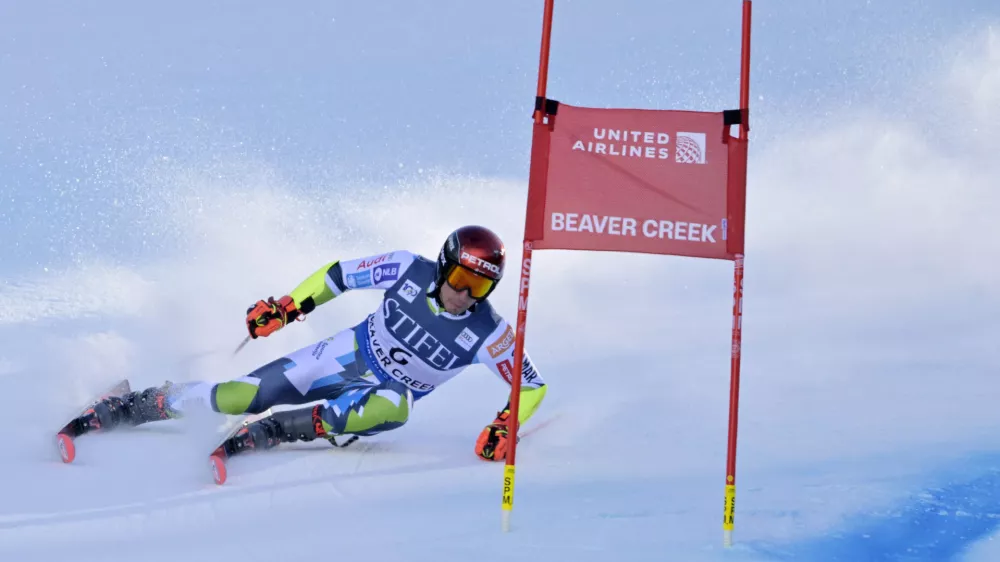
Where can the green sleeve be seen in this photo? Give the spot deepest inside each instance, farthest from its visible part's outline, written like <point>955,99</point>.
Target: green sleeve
<point>531,399</point>
<point>315,291</point>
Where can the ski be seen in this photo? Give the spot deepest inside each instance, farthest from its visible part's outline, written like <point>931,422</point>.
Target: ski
<point>230,445</point>
<point>75,427</point>
<point>220,455</point>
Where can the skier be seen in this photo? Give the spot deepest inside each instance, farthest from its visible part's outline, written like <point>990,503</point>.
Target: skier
<point>433,322</point>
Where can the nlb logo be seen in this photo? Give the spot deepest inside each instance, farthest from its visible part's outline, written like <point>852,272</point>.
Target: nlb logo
<point>386,272</point>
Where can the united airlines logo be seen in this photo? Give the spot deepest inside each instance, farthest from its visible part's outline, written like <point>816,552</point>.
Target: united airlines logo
<point>690,148</point>
<point>626,143</point>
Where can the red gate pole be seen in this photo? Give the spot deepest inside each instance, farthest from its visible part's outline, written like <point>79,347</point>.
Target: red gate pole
<point>734,383</point>
<point>507,502</point>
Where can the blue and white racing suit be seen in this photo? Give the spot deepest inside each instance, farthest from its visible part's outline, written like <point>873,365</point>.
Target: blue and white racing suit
<point>371,375</point>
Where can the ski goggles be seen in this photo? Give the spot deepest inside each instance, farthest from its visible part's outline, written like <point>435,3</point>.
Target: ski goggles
<point>460,279</point>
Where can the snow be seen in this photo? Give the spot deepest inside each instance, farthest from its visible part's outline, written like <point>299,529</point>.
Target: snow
<point>984,550</point>
<point>867,421</point>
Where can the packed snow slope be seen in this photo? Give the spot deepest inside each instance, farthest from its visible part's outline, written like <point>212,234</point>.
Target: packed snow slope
<point>158,180</point>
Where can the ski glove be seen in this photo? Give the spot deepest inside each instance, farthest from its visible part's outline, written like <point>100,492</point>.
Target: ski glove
<point>267,317</point>
<point>493,439</point>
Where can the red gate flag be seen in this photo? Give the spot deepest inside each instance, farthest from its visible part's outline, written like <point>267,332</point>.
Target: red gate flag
<point>637,180</point>
<point>640,181</point>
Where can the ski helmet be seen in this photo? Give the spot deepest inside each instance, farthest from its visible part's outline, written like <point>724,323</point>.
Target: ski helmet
<point>473,258</point>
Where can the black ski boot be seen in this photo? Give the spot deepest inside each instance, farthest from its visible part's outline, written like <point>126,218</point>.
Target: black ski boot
<point>304,424</point>
<point>131,409</point>
<point>117,406</point>
<point>281,427</point>
<point>259,435</point>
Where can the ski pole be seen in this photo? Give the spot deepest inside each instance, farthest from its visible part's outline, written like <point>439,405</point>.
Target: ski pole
<point>245,341</point>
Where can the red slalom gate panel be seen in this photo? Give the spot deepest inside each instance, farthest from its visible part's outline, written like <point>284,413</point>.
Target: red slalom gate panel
<point>642,181</point>
<point>635,180</point>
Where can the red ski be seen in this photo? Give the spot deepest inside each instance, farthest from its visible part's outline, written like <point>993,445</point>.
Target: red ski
<point>75,427</point>
<point>240,439</point>
<point>230,445</point>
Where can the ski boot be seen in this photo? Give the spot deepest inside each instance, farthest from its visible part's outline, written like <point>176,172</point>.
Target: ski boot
<point>131,409</point>
<point>281,427</point>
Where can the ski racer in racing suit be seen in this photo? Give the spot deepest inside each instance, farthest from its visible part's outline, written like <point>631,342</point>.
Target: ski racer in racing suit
<point>434,321</point>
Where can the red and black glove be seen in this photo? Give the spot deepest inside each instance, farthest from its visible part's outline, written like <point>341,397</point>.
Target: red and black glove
<point>267,317</point>
<point>494,438</point>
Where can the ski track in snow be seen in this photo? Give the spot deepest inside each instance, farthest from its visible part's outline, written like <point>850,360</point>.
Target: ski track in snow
<point>560,510</point>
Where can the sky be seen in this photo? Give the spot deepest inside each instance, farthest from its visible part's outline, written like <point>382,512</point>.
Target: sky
<point>153,157</point>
